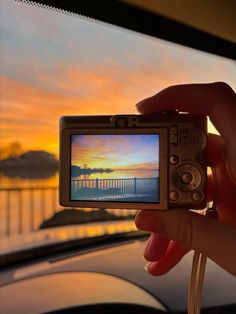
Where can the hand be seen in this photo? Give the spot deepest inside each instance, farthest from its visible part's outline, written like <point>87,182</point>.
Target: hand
<point>175,232</point>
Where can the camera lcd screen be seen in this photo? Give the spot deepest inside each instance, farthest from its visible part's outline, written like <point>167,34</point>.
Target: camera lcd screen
<point>115,168</point>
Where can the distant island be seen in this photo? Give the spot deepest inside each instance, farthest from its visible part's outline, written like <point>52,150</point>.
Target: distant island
<point>77,171</point>
<point>71,216</point>
<point>32,165</point>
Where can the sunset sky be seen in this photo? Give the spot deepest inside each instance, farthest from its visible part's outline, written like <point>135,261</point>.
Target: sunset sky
<point>55,64</point>
<point>117,152</point>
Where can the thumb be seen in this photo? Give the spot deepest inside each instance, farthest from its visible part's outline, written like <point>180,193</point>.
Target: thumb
<point>203,234</point>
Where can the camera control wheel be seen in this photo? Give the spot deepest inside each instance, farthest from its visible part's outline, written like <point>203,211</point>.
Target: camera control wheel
<point>187,178</point>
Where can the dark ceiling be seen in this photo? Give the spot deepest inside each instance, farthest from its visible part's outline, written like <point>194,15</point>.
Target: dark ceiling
<point>196,24</point>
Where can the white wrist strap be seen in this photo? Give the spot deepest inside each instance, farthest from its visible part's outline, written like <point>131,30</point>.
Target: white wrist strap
<point>196,283</point>
<point>197,277</point>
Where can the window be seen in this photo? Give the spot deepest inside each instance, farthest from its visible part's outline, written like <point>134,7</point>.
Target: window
<point>55,64</point>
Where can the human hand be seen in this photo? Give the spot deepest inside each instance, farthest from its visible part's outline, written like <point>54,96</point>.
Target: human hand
<point>175,232</point>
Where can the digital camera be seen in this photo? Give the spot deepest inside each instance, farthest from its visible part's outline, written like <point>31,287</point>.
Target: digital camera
<point>133,161</point>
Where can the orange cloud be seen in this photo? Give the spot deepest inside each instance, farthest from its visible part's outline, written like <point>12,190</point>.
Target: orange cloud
<point>99,152</point>
<point>30,110</point>
<point>118,152</point>
<point>145,166</point>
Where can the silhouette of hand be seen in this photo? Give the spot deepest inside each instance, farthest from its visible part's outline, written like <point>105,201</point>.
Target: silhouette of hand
<point>175,232</point>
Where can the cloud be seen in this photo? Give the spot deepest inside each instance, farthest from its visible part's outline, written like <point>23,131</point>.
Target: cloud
<point>116,151</point>
<point>53,64</point>
<point>97,151</point>
<point>145,166</point>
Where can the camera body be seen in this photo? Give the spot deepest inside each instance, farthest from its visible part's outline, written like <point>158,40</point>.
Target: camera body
<point>133,161</point>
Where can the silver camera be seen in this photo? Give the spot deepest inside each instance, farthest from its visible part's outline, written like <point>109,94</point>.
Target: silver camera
<point>133,161</point>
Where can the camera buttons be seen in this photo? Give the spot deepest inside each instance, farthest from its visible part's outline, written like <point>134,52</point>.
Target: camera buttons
<point>121,122</point>
<point>187,178</point>
<point>197,196</point>
<point>174,135</point>
<point>174,196</point>
<point>174,159</point>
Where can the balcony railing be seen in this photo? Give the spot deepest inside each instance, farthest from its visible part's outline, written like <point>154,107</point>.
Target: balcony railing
<point>23,209</point>
<point>113,189</point>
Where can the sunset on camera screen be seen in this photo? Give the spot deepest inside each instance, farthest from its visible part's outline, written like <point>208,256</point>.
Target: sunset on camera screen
<point>118,152</point>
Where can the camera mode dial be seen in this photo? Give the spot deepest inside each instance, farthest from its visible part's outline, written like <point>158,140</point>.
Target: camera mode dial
<point>187,178</point>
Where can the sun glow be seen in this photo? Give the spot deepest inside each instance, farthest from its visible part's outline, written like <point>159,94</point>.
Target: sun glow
<point>46,74</point>
<point>116,152</point>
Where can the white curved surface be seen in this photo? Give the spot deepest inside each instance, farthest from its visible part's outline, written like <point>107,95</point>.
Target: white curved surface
<point>63,290</point>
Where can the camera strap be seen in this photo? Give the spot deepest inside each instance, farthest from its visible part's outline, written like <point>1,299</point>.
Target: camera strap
<point>196,281</point>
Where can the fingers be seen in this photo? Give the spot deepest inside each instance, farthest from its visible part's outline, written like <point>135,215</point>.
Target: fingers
<point>193,231</point>
<point>222,188</point>
<point>216,150</point>
<point>210,188</point>
<point>156,247</point>
<point>217,100</point>
<point>162,254</point>
<point>203,234</point>
<point>174,254</point>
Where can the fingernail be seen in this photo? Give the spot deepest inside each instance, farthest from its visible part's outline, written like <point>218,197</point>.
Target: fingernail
<point>146,267</point>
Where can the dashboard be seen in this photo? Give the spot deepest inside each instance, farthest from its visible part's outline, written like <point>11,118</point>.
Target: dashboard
<point>68,289</point>
<point>107,279</point>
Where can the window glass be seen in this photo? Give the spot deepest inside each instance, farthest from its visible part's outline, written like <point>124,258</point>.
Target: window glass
<point>55,64</point>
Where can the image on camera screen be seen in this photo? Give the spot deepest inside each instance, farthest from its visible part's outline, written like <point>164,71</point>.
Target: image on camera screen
<point>115,168</point>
